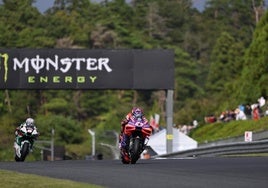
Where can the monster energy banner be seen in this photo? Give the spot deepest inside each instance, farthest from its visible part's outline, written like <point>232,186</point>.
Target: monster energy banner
<point>86,69</point>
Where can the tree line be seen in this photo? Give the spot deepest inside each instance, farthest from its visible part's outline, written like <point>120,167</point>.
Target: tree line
<point>220,59</point>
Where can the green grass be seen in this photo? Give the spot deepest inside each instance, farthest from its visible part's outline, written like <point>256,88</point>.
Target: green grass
<point>11,179</point>
<point>218,131</point>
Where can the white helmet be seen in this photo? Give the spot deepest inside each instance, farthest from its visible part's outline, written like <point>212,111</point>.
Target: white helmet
<point>30,122</point>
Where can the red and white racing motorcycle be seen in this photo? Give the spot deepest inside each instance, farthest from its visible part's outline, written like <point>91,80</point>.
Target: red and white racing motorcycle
<point>139,132</point>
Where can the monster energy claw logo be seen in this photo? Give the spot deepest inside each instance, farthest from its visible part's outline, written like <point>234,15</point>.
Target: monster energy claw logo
<point>5,58</point>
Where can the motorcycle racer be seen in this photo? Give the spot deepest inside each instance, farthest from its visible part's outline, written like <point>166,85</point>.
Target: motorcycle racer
<point>136,113</point>
<point>18,133</point>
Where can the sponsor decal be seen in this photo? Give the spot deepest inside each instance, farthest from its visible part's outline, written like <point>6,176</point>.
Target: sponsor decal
<point>56,69</point>
<point>61,79</point>
<point>4,60</point>
<point>61,64</point>
<point>86,69</point>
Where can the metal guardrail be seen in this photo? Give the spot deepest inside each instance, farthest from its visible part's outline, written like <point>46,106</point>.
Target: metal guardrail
<point>39,143</point>
<point>237,148</point>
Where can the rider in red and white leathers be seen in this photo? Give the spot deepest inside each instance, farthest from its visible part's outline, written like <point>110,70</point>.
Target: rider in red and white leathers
<point>135,113</point>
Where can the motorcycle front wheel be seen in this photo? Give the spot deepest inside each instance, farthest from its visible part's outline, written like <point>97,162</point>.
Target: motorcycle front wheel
<point>24,152</point>
<point>135,150</point>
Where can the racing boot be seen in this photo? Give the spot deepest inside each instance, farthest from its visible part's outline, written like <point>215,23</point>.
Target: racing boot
<point>120,140</point>
<point>17,149</point>
<point>124,149</point>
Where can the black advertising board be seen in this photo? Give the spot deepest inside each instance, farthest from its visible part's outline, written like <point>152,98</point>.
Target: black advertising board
<point>86,69</point>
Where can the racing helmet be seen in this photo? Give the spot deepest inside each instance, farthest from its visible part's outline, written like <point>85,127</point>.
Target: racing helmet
<point>29,122</point>
<point>137,112</point>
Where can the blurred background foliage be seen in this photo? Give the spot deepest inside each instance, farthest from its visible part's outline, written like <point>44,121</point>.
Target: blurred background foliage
<point>220,62</point>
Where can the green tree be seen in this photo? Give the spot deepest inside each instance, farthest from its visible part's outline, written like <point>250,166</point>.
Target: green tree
<point>21,25</point>
<point>252,83</point>
<point>223,66</point>
<point>23,104</point>
<point>177,16</point>
<point>235,17</point>
<point>186,87</point>
<point>67,130</point>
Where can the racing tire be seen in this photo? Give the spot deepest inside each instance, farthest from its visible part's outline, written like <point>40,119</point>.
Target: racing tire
<point>24,151</point>
<point>135,151</point>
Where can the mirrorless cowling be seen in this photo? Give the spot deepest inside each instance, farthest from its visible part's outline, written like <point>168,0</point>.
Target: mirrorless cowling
<point>139,131</point>
<point>24,141</point>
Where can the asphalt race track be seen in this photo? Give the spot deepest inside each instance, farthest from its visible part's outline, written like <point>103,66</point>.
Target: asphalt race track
<point>242,172</point>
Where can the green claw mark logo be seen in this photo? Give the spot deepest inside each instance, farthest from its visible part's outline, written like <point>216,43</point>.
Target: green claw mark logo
<point>5,58</point>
